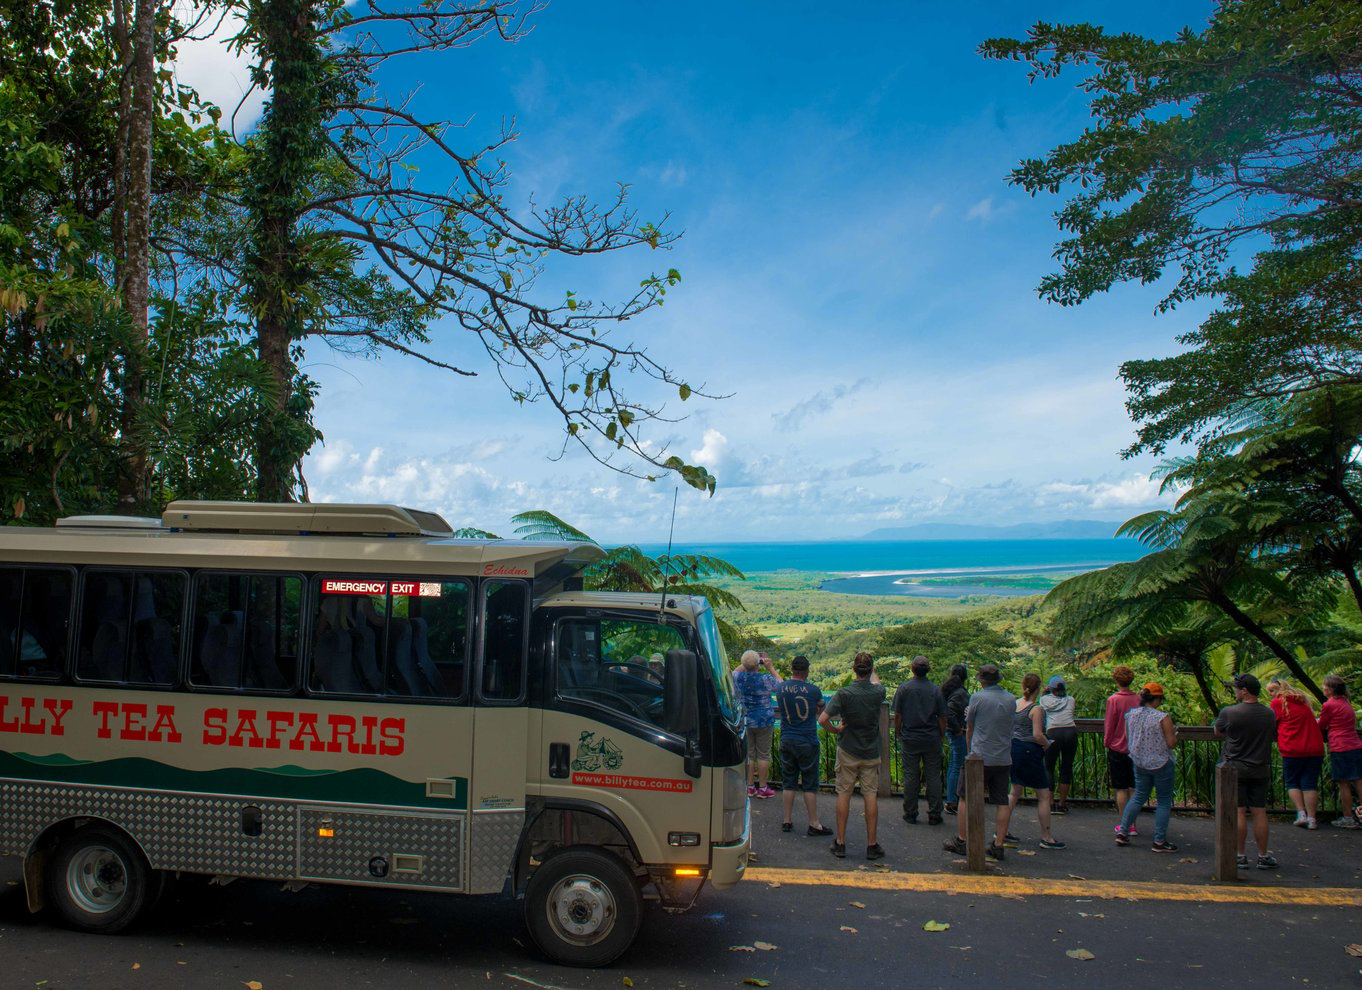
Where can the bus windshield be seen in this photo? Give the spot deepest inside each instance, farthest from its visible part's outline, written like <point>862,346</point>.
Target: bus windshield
<point>718,662</point>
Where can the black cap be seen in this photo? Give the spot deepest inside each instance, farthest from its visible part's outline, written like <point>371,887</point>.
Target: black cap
<point>1246,681</point>
<point>799,663</point>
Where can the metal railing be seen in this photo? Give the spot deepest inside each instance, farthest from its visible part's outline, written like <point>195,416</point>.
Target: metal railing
<point>1197,753</point>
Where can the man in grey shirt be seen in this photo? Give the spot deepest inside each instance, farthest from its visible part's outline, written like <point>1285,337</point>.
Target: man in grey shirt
<point>1249,729</point>
<point>988,731</point>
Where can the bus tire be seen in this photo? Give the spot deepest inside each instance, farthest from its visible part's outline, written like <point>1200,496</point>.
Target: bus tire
<point>98,880</point>
<point>583,907</point>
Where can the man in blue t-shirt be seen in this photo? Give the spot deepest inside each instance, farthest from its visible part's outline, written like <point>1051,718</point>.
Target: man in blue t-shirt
<point>799,703</point>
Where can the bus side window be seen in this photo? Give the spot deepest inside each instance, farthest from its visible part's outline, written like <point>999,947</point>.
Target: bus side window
<point>47,622</point>
<point>245,631</point>
<point>505,607</point>
<point>105,612</point>
<point>130,626</point>
<point>428,641</point>
<point>11,598</point>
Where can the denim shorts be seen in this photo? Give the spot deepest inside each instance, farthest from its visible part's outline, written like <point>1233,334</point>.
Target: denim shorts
<point>1301,773</point>
<point>1346,765</point>
<point>1028,765</point>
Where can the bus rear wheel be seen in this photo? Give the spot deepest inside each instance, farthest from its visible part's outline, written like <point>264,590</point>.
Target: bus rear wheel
<point>583,907</point>
<point>98,880</point>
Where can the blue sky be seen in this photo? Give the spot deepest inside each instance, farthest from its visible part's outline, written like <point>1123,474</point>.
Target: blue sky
<point>858,277</point>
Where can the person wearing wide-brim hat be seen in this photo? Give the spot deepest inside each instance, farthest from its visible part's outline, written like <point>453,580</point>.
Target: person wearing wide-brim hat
<point>1151,736</point>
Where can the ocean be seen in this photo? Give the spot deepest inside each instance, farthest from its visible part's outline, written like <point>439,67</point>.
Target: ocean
<point>923,568</point>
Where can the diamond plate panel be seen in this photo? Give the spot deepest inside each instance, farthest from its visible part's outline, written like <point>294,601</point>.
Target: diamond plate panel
<point>359,836</point>
<point>192,832</point>
<point>496,834</point>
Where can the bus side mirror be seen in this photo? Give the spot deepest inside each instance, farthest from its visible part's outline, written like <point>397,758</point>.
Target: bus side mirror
<point>680,712</point>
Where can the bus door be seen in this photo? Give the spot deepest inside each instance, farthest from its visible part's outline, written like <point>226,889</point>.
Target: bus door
<point>604,744</point>
<point>502,725</point>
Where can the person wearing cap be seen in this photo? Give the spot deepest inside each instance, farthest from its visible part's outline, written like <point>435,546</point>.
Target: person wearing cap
<point>988,730</point>
<point>1249,729</point>
<point>1338,724</point>
<point>1062,731</point>
<point>1151,736</point>
<point>799,703</point>
<point>918,716</point>
<point>857,705</point>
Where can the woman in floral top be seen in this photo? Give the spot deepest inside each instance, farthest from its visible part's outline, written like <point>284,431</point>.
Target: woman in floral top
<point>754,690</point>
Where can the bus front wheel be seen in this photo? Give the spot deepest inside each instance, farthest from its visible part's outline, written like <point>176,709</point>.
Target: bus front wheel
<point>583,907</point>
<point>98,881</point>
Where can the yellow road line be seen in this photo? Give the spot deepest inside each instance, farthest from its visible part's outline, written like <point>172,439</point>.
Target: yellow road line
<point>1023,886</point>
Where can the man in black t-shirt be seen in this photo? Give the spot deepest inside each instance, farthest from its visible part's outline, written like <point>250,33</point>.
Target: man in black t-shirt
<point>919,715</point>
<point>1249,729</point>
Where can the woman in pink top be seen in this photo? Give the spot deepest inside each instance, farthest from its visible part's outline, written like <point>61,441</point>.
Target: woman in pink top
<point>1338,723</point>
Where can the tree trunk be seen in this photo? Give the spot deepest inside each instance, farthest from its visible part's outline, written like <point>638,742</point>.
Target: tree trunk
<point>135,270</point>
<point>277,273</point>
<point>1223,603</point>
<point>1198,667</point>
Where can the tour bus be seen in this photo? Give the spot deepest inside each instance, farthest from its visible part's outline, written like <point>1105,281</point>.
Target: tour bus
<point>350,694</point>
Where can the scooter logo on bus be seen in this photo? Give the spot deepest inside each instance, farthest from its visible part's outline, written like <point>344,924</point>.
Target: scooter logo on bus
<point>593,755</point>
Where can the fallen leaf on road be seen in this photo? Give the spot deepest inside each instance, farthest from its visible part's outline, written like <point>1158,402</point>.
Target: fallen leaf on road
<point>1084,914</point>
<point>773,884</point>
<point>936,926</point>
<point>1014,897</point>
<point>856,904</point>
<point>1189,859</point>
<point>628,982</point>
<point>741,948</point>
<point>136,965</point>
<point>753,981</point>
<point>1075,876</point>
<point>254,985</point>
<point>848,928</point>
<point>1353,950</point>
<point>1082,954</point>
<point>1026,852</point>
<point>764,946</point>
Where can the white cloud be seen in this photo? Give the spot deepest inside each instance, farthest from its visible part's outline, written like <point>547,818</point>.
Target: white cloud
<point>982,210</point>
<point>219,74</point>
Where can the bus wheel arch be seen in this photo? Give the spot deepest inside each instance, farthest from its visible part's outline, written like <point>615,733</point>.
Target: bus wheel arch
<point>94,876</point>
<point>583,906</point>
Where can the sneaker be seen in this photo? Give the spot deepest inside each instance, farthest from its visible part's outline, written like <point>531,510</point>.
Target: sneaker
<point>1010,841</point>
<point>1343,821</point>
<point>1052,844</point>
<point>1267,862</point>
<point>1132,830</point>
<point>839,849</point>
<point>1122,839</point>
<point>1300,820</point>
<point>934,819</point>
<point>995,852</point>
<point>787,826</point>
<point>952,809</point>
<point>877,852</point>
<point>1311,824</point>
<point>1242,862</point>
<point>751,790</point>
<point>1164,847</point>
<point>1059,809</point>
<point>816,830</point>
<point>910,819</point>
<point>955,845</point>
<point>766,792</point>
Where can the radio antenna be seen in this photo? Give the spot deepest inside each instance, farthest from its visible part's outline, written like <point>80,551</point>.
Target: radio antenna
<point>667,561</point>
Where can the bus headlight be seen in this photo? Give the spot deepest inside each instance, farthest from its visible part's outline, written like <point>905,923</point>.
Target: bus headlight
<point>735,804</point>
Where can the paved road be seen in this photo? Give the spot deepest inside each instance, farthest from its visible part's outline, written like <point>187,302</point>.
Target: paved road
<point>1146,918</point>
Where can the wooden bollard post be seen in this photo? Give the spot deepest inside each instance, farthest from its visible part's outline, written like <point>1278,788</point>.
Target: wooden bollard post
<point>1226,823</point>
<point>886,754</point>
<point>975,827</point>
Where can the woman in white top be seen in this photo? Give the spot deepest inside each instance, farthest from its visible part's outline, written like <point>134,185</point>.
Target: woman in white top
<point>1151,736</point>
<point>1062,731</point>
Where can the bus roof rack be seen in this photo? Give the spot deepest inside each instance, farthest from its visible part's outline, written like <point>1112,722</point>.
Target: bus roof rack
<point>109,522</point>
<point>303,517</point>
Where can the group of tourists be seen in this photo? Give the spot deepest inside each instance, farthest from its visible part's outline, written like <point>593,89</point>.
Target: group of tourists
<point>1030,742</point>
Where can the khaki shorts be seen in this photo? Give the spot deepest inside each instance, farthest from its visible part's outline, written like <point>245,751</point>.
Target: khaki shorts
<point>759,742</point>
<point>851,770</point>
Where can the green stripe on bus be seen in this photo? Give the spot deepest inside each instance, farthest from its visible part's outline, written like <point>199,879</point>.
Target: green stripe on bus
<point>291,783</point>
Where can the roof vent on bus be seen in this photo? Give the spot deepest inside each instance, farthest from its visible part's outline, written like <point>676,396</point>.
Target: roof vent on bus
<point>303,517</point>
<point>109,522</point>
